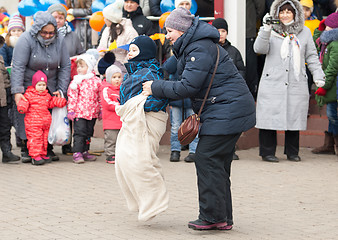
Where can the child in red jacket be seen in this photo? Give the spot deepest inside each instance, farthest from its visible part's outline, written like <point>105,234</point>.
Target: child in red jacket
<point>38,118</point>
<point>111,121</point>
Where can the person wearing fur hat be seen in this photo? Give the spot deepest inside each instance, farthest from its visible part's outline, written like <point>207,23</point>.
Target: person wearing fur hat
<point>283,95</point>
<point>195,44</point>
<point>144,121</point>
<point>109,93</point>
<point>117,29</point>
<point>326,39</point>
<point>15,29</point>
<point>37,116</point>
<point>84,106</point>
<point>133,11</point>
<point>40,48</point>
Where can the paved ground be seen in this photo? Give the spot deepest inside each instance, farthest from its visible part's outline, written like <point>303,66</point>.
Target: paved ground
<point>62,200</point>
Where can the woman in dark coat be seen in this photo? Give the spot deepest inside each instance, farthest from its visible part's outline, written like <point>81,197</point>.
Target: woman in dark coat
<point>40,48</point>
<point>229,111</point>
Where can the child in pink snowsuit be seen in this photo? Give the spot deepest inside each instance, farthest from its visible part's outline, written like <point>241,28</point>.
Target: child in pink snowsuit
<point>38,117</point>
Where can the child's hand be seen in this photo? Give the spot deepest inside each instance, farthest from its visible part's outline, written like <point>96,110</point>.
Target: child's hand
<point>71,116</point>
<point>147,88</point>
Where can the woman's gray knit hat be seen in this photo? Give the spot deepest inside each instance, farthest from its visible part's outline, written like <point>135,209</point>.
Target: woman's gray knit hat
<point>180,19</point>
<point>57,8</point>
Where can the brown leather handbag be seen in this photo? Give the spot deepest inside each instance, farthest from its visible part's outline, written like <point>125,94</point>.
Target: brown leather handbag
<point>190,126</point>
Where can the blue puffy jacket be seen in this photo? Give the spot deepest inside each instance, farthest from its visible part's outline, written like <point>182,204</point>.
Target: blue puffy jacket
<point>230,107</point>
<point>139,72</point>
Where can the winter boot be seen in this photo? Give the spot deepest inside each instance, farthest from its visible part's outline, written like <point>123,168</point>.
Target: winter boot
<point>7,155</point>
<point>25,158</point>
<point>336,143</point>
<point>328,147</point>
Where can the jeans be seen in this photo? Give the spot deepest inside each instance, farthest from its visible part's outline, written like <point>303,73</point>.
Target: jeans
<point>331,112</point>
<point>176,120</point>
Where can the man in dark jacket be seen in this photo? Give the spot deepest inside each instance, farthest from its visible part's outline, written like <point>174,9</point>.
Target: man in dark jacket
<point>133,11</point>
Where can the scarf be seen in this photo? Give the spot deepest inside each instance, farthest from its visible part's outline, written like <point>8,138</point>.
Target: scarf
<point>65,29</point>
<point>322,47</point>
<point>78,80</point>
<point>284,50</point>
<point>45,42</point>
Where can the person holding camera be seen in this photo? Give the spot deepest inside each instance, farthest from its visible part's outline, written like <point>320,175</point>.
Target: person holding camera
<point>283,96</point>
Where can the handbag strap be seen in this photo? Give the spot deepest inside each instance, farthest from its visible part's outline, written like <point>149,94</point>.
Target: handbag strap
<point>211,80</point>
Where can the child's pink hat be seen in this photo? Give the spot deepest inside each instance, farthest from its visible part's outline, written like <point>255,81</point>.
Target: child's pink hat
<point>39,76</point>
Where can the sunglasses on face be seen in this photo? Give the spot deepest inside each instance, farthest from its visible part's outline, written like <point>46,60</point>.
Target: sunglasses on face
<point>45,33</point>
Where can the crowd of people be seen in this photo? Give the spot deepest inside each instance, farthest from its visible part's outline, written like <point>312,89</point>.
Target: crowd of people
<point>126,87</point>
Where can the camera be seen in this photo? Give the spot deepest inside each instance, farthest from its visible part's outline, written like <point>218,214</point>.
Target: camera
<point>270,20</point>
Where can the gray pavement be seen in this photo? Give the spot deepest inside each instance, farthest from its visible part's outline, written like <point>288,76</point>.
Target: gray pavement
<point>62,200</point>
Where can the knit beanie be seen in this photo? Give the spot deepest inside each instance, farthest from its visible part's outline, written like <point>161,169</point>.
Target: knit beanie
<point>89,60</point>
<point>179,19</point>
<point>105,62</point>
<point>307,3</point>
<point>15,22</point>
<point>146,46</point>
<point>137,1</point>
<point>39,76</point>
<point>57,8</point>
<point>3,18</point>
<point>220,23</point>
<point>178,2</point>
<point>111,71</point>
<point>332,20</point>
<point>113,12</point>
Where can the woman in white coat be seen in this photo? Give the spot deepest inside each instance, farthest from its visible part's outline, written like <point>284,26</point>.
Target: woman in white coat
<point>119,29</point>
<point>283,96</point>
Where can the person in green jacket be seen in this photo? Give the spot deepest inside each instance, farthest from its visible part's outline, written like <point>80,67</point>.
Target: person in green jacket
<point>326,39</point>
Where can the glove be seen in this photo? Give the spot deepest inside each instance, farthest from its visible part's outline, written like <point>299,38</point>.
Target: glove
<point>71,116</point>
<point>70,11</point>
<point>322,25</point>
<point>319,83</point>
<point>321,92</point>
<point>267,27</point>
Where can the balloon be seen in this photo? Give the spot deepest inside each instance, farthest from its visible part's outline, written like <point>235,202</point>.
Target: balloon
<point>108,2</point>
<point>193,8</point>
<point>162,19</point>
<point>167,5</point>
<point>97,6</point>
<point>28,7</point>
<point>96,21</point>
<point>45,4</point>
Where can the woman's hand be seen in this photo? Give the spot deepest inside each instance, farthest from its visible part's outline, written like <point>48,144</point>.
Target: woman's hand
<point>57,94</point>
<point>147,88</point>
<point>18,97</point>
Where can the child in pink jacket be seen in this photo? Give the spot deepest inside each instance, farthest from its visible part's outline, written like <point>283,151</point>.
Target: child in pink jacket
<point>111,121</point>
<point>84,106</point>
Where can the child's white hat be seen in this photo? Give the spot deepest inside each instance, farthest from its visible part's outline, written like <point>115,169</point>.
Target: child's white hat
<point>111,71</point>
<point>89,59</point>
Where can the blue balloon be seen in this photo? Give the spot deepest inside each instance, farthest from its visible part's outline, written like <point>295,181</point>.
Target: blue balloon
<point>193,8</point>
<point>167,5</point>
<point>98,5</point>
<point>108,2</point>
<point>45,4</point>
<point>28,7</point>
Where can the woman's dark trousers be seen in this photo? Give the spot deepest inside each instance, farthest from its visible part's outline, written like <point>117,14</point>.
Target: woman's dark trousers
<point>213,163</point>
<point>268,142</point>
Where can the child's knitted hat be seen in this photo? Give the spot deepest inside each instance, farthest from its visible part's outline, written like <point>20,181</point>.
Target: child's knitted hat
<point>15,22</point>
<point>332,20</point>
<point>111,71</point>
<point>179,19</point>
<point>146,46</point>
<point>220,23</point>
<point>89,60</point>
<point>105,62</point>
<point>39,76</point>
<point>178,2</point>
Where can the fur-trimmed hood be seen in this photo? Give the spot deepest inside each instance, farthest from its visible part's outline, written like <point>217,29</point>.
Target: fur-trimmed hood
<point>294,28</point>
<point>329,36</point>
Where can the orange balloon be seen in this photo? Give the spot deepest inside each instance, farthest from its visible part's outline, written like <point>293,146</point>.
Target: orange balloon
<point>65,7</point>
<point>162,19</point>
<point>96,21</point>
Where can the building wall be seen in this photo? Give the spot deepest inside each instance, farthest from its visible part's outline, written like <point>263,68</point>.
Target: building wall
<point>10,5</point>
